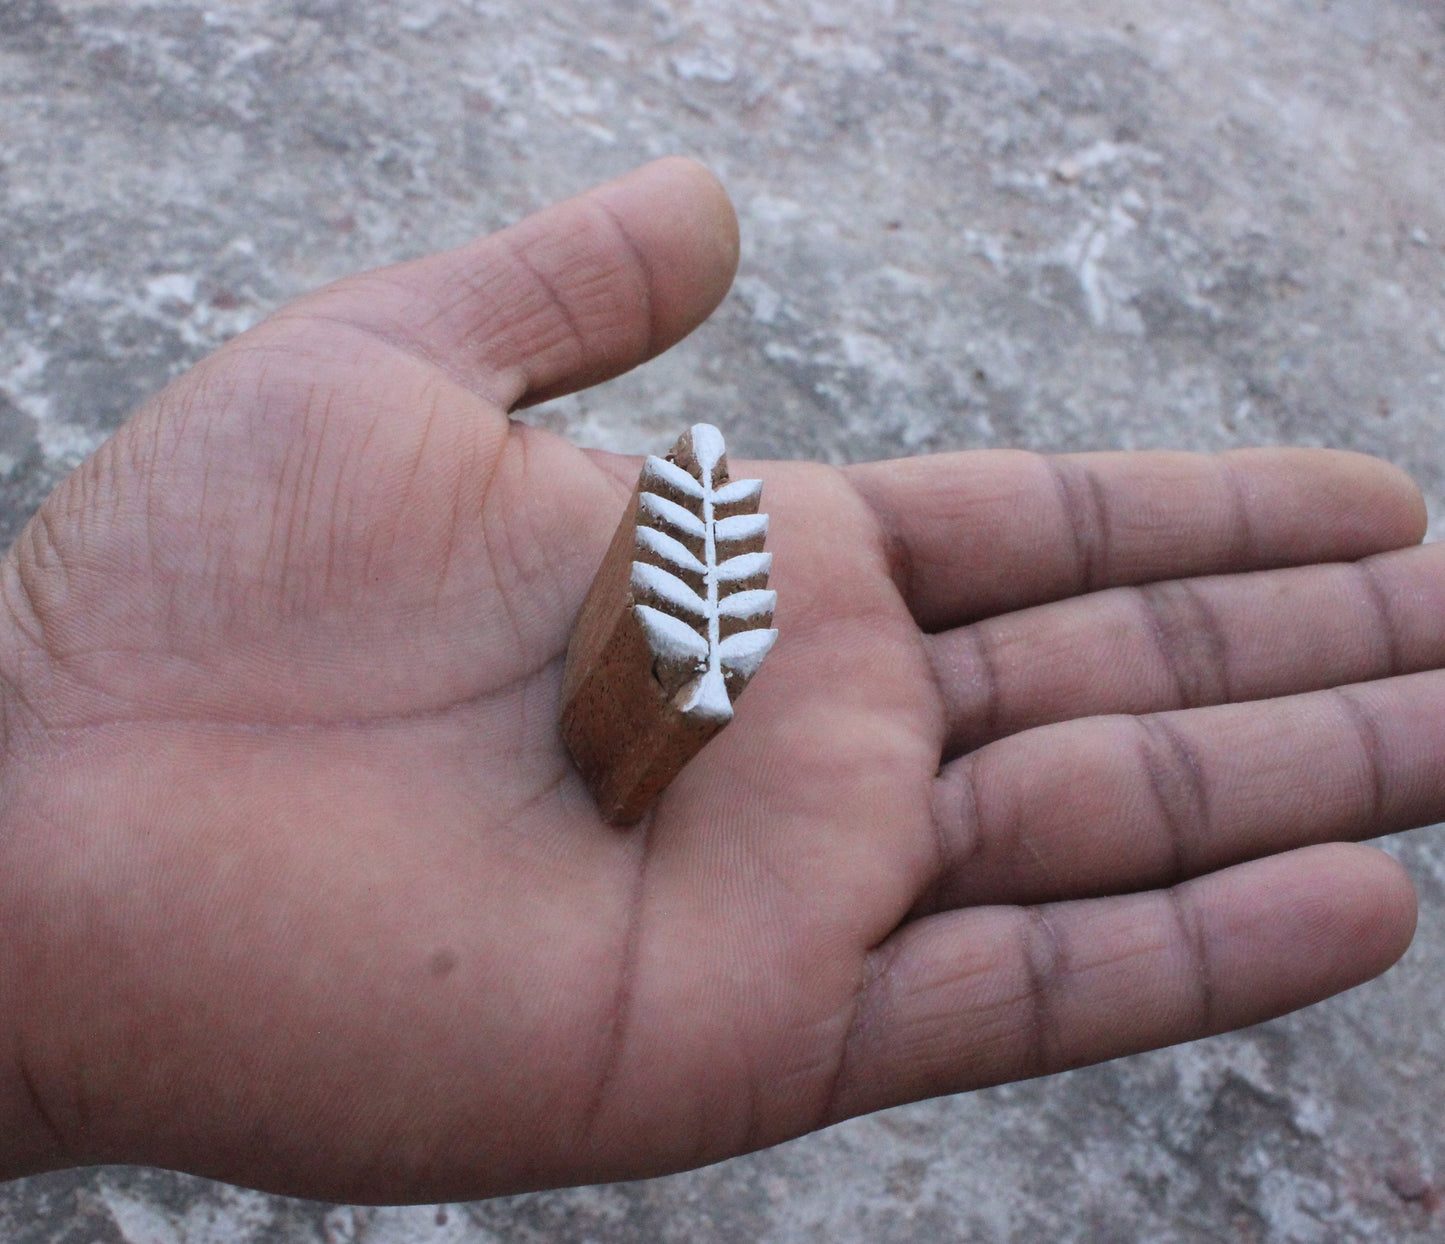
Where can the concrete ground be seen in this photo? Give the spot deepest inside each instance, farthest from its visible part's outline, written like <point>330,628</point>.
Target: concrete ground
<point>1047,223</point>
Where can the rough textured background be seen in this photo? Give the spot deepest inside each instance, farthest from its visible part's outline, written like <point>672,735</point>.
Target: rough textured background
<point>1048,223</point>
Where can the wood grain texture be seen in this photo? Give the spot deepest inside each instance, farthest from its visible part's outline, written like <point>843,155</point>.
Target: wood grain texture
<point>677,621</point>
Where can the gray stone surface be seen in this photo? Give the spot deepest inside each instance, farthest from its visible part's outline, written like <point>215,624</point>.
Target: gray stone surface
<point>1048,223</point>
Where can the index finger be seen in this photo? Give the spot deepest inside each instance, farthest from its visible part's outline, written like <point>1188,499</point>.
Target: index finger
<point>975,534</point>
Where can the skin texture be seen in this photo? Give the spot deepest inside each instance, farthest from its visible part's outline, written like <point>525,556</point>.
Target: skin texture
<point>1056,759</point>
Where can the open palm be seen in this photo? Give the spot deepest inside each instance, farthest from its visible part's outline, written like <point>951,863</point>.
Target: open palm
<point>299,888</point>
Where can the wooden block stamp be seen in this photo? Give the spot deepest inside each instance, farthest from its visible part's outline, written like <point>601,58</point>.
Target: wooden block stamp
<point>677,620</point>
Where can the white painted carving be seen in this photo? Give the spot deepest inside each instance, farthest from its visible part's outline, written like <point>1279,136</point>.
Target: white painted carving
<point>703,608</point>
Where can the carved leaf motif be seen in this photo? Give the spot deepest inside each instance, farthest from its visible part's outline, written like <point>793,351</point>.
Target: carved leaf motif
<point>699,576</point>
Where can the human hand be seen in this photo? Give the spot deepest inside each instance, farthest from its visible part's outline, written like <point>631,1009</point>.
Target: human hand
<point>299,889</point>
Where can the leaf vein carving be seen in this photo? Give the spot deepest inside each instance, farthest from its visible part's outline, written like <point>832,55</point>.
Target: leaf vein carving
<point>704,607</point>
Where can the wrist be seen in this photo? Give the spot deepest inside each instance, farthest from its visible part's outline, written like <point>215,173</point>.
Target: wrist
<point>29,1144</point>
<point>30,1141</point>
<point>29,1138</point>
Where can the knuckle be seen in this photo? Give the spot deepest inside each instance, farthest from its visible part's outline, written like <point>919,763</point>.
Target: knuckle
<point>1083,502</point>
<point>1190,641</point>
<point>1386,631</point>
<point>1194,944</point>
<point>1177,783</point>
<point>1374,782</point>
<point>1045,963</point>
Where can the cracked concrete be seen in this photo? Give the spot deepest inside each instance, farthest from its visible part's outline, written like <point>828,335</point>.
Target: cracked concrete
<point>1047,223</point>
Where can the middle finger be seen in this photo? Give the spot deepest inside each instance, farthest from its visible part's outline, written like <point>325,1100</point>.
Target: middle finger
<point>1190,643</point>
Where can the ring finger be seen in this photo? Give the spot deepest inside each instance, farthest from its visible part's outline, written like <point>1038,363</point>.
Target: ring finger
<point>1109,805</point>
